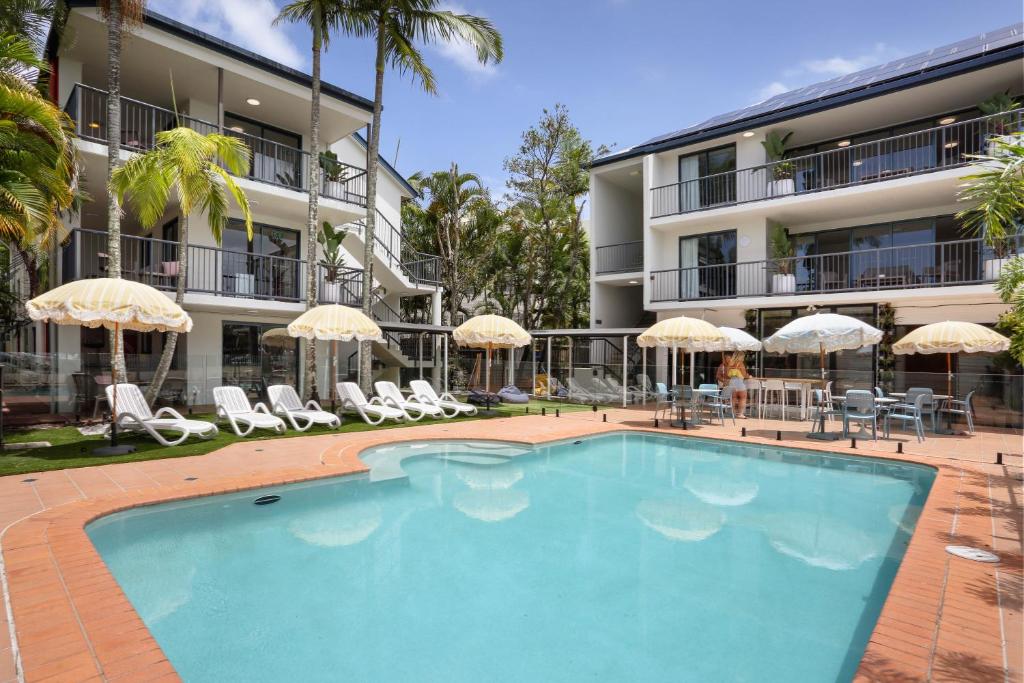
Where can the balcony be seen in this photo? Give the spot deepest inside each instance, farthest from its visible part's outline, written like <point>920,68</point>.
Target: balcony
<point>901,156</point>
<point>941,264</point>
<point>211,270</point>
<point>627,257</point>
<point>272,163</point>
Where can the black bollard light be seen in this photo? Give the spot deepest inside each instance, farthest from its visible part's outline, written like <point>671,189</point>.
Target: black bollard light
<point>558,412</point>
<point>655,423</point>
<point>999,458</point>
<point>778,435</point>
<point>604,417</point>
<point>543,411</point>
<point>899,447</point>
<point>853,442</point>
<point>743,431</point>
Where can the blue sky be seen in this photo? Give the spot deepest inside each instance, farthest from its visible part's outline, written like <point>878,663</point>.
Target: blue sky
<point>627,69</point>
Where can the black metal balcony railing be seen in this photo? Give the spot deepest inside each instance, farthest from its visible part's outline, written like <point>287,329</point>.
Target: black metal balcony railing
<point>899,156</point>
<point>211,270</point>
<point>627,257</point>
<point>940,264</point>
<point>391,246</point>
<point>271,163</point>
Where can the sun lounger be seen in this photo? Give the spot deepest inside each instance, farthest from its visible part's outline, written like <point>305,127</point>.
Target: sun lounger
<point>233,405</point>
<point>134,414</point>
<point>285,402</point>
<point>373,411</point>
<point>423,391</point>
<point>413,407</point>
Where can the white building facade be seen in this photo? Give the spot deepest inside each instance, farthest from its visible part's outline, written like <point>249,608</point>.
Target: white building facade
<point>238,290</point>
<point>865,197</point>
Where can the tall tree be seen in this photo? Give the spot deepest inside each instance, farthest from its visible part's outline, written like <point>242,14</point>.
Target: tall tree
<point>458,215</point>
<point>121,16</point>
<point>37,162</point>
<point>29,19</point>
<point>549,180</point>
<point>322,17</point>
<point>398,26</point>
<point>196,168</point>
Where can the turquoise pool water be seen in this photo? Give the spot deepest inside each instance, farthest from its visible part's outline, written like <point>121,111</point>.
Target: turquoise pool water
<point>620,557</point>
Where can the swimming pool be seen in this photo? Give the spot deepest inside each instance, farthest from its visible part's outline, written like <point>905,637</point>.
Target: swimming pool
<point>617,557</point>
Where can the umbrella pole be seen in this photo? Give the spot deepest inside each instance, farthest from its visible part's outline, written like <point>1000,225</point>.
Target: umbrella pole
<point>487,371</point>
<point>113,379</point>
<point>334,369</point>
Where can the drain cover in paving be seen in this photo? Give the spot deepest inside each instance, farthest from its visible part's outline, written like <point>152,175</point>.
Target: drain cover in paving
<point>969,553</point>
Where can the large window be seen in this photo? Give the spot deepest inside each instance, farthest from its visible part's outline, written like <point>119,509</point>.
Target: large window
<point>267,266</point>
<point>922,251</point>
<point>252,360</point>
<point>707,178</point>
<point>276,153</point>
<point>707,265</point>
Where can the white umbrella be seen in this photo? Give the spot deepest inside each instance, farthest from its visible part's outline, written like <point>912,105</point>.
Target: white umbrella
<point>738,340</point>
<point>822,333</point>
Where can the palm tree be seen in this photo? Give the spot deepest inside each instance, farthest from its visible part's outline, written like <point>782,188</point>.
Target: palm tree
<point>996,195</point>
<point>29,19</point>
<point>454,200</point>
<point>323,17</point>
<point>121,16</point>
<point>197,169</point>
<point>398,26</point>
<point>37,161</point>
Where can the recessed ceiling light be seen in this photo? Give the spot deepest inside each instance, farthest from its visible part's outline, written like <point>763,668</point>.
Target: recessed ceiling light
<point>253,311</point>
<point>94,124</point>
<point>843,143</point>
<point>253,101</point>
<point>951,145</point>
<point>748,134</point>
<point>858,162</point>
<point>237,129</point>
<point>634,173</point>
<point>634,282</point>
<point>948,120</point>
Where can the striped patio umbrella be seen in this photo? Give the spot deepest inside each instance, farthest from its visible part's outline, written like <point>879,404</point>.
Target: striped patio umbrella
<point>951,337</point>
<point>490,332</point>
<point>115,304</point>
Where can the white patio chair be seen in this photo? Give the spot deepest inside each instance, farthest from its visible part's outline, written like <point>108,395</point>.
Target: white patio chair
<point>579,392</point>
<point>392,395</point>
<point>423,391</point>
<point>285,402</point>
<point>134,414</point>
<point>373,411</point>
<point>233,405</point>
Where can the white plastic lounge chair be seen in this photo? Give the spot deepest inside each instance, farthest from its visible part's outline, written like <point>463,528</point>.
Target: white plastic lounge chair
<point>423,391</point>
<point>133,414</point>
<point>392,395</point>
<point>233,406</point>
<point>284,401</point>
<point>373,411</point>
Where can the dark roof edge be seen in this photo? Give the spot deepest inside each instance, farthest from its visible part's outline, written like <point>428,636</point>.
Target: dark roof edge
<point>875,90</point>
<point>389,168</point>
<point>214,43</point>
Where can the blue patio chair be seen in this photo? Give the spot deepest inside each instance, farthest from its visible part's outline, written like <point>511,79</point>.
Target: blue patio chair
<point>907,413</point>
<point>879,393</point>
<point>860,406</point>
<point>928,407</point>
<point>719,404</point>
<point>964,407</point>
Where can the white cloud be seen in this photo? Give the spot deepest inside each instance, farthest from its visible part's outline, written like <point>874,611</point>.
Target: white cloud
<point>810,70</point>
<point>247,23</point>
<point>463,54</point>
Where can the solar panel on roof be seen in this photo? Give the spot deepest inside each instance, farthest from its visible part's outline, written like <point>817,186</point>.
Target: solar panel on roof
<point>930,59</point>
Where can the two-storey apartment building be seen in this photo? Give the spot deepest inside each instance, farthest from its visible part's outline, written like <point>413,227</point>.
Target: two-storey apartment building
<point>240,289</point>
<point>865,200</point>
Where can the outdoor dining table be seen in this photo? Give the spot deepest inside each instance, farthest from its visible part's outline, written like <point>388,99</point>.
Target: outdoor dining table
<point>806,385</point>
<point>680,407</point>
<point>881,401</point>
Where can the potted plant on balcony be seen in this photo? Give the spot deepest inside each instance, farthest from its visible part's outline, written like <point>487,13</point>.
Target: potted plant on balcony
<point>334,170</point>
<point>330,239</point>
<point>1000,125</point>
<point>996,195</point>
<point>780,171</point>
<point>782,251</point>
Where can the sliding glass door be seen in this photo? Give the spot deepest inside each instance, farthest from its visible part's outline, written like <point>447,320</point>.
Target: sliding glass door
<point>707,265</point>
<point>707,178</point>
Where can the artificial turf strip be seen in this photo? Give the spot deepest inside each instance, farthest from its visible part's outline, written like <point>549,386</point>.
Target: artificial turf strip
<point>71,449</point>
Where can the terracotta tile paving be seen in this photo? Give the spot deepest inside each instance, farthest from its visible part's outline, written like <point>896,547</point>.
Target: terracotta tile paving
<point>945,618</point>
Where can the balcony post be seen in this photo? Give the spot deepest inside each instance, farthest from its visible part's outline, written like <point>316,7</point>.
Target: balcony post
<point>76,247</point>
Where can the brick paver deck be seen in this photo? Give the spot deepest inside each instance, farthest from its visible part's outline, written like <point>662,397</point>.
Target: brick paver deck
<point>945,618</point>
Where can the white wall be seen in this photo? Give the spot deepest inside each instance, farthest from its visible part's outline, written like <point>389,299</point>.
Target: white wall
<point>616,306</point>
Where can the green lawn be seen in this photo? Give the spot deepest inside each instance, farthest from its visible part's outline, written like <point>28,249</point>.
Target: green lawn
<point>71,449</point>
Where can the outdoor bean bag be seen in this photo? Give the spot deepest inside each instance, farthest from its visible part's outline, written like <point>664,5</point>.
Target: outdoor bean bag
<point>480,397</point>
<point>511,394</point>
